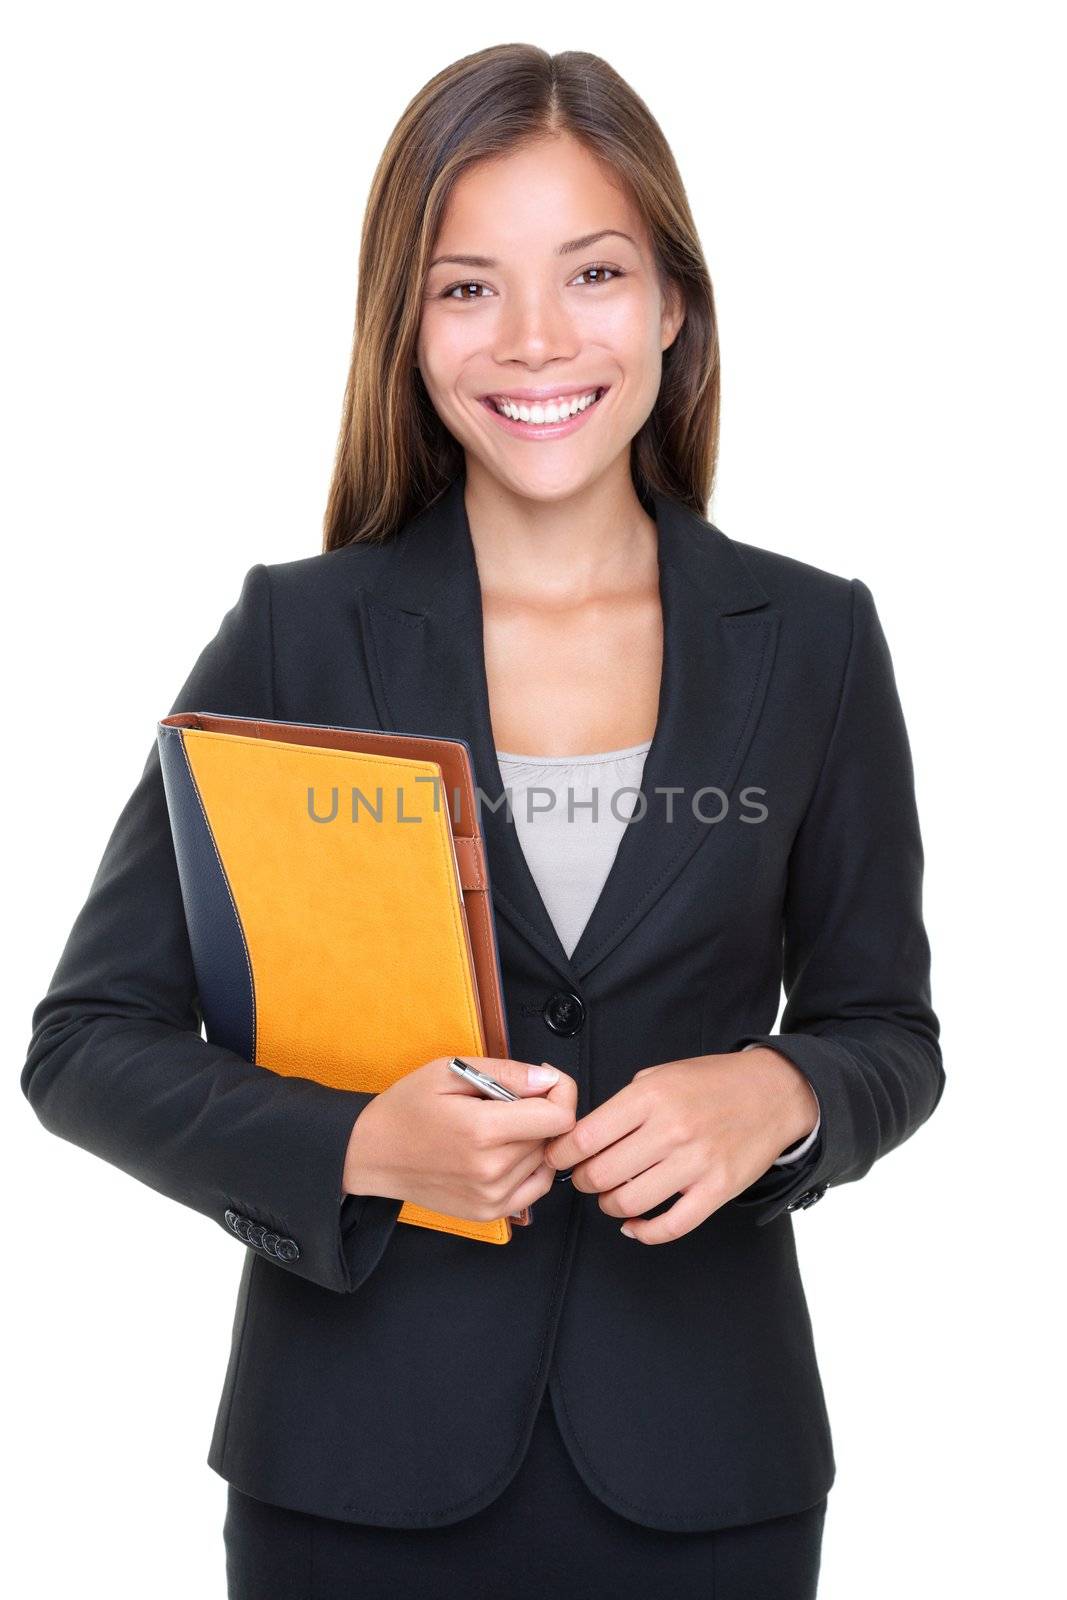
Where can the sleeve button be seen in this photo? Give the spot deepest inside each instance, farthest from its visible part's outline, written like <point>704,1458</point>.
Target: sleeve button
<point>808,1198</point>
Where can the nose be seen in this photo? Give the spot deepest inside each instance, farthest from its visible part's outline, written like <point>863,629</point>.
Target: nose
<point>535,328</point>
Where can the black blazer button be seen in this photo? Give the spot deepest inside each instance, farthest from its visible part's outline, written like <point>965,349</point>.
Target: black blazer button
<point>564,1012</point>
<point>231,1219</point>
<point>808,1198</point>
<point>287,1250</point>
<point>255,1233</point>
<point>270,1243</point>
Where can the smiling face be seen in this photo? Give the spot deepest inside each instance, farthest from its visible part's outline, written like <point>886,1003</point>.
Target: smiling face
<point>542,303</point>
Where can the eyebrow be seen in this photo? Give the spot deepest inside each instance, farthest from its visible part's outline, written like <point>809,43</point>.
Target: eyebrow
<point>567,248</point>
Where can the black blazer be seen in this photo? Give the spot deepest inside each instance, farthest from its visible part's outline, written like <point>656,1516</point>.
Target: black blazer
<point>391,1374</point>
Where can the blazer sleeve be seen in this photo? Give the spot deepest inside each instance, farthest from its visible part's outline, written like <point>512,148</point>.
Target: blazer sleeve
<point>858,1019</point>
<point>116,1062</point>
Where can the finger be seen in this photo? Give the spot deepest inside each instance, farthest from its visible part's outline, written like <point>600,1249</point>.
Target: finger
<point>540,1112</point>
<point>564,1092</point>
<point>532,1186</point>
<point>612,1120</point>
<point>526,1160</point>
<point>633,1172</point>
<point>647,1188</point>
<point>514,1139</point>
<point>519,1129</point>
<point>518,1076</point>
<point>687,1213</point>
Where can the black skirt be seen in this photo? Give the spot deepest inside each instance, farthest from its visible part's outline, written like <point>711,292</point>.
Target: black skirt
<point>546,1534</point>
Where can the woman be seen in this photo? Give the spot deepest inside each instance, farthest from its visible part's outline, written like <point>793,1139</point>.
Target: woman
<point>625,1400</point>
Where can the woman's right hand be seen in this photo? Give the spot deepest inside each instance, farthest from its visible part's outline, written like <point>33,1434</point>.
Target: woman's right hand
<point>432,1139</point>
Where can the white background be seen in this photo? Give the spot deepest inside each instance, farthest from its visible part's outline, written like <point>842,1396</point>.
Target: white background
<point>878,197</point>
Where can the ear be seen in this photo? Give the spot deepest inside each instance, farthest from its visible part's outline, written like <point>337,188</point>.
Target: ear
<point>673,314</point>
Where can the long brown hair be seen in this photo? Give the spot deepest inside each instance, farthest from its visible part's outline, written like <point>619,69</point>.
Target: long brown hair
<point>394,455</point>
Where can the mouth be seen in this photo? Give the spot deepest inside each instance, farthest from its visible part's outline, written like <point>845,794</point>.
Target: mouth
<point>548,418</point>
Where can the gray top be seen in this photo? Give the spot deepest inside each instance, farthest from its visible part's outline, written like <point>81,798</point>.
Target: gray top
<point>570,813</point>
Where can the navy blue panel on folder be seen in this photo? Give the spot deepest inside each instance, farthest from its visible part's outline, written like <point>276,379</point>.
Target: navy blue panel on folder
<point>220,951</point>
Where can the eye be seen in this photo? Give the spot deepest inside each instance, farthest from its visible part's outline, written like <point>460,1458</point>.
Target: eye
<point>455,291</point>
<point>600,268</point>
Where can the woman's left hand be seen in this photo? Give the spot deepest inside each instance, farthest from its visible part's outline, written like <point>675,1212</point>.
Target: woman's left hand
<point>703,1128</point>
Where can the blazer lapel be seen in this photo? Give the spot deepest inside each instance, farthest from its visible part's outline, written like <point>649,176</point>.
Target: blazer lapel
<point>422,625</point>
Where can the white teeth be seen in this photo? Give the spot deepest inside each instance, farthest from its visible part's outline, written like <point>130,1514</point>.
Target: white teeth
<point>554,411</point>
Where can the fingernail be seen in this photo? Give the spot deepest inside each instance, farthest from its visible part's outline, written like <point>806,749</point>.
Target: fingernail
<point>628,1231</point>
<point>540,1077</point>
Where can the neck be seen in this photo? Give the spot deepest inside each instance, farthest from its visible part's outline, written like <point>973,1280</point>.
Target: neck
<point>596,541</point>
